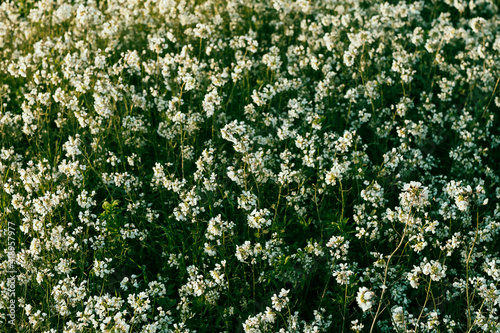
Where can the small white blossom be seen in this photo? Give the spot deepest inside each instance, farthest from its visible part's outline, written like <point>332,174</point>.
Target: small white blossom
<point>364,299</point>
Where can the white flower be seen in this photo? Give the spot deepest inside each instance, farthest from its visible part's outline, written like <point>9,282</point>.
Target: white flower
<point>364,298</point>
<point>414,195</point>
<point>210,250</point>
<point>281,300</point>
<point>123,284</point>
<point>257,219</point>
<point>356,326</point>
<point>398,316</point>
<point>63,13</point>
<point>349,57</point>
<point>434,269</point>
<point>337,172</point>
<point>477,24</point>
<point>461,203</point>
<point>272,60</point>
<point>243,251</point>
<point>343,275</point>
<point>101,267</point>
<point>71,146</point>
<point>84,200</point>
<point>413,276</point>
<point>140,302</point>
<point>247,200</point>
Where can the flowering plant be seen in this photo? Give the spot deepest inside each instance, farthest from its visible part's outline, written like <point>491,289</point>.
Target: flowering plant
<point>249,166</point>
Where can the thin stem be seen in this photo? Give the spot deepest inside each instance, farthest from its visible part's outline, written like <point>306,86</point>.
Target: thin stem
<point>423,307</point>
<point>384,287</point>
<point>469,325</point>
<point>345,308</point>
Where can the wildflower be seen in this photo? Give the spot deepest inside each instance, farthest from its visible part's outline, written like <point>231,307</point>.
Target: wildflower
<point>101,267</point>
<point>257,218</point>
<point>272,59</point>
<point>398,316</point>
<point>247,200</point>
<point>413,276</point>
<point>364,298</point>
<point>434,269</point>
<point>349,57</point>
<point>414,195</point>
<point>356,326</point>
<point>337,172</point>
<point>477,24</point>
<point>71,146</point>
<point>243,251</point>
<point>281,300</point>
